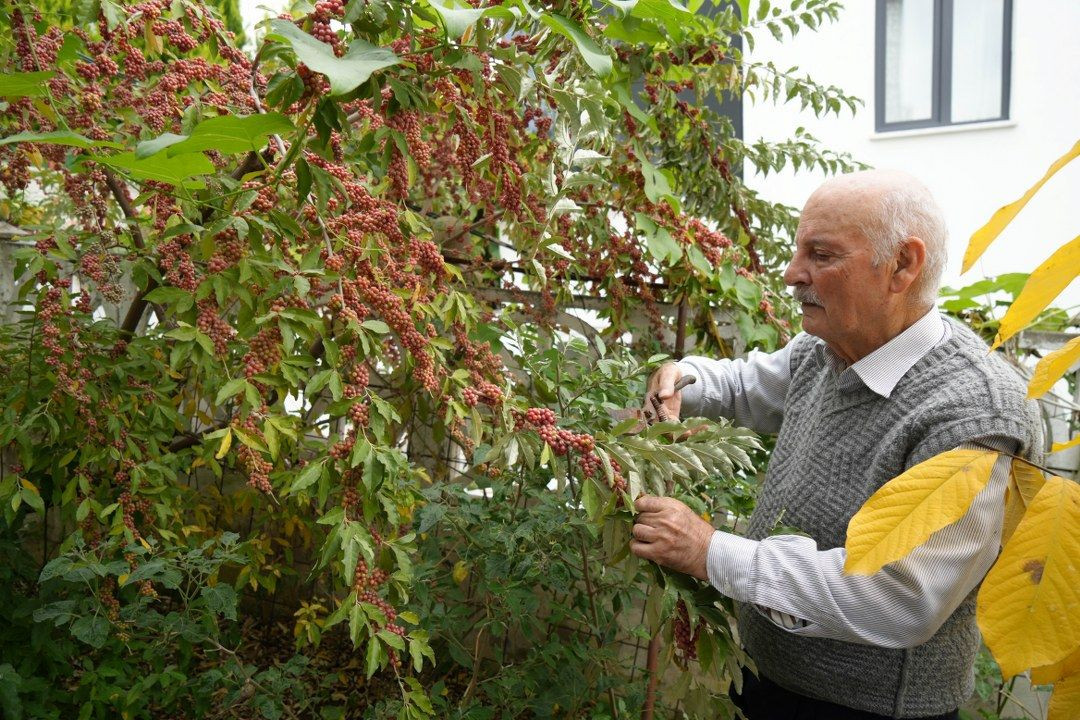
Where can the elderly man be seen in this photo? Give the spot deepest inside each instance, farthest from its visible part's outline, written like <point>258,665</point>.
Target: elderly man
<point>878,382</point>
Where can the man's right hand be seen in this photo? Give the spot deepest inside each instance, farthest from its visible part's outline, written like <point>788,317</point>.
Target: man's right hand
<point>662,383</point>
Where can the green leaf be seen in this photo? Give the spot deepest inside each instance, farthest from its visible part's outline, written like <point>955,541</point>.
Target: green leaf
<point>57,137</point>
<point>591,53</point>
<point>307,477</point>
<point>660,243</point>
<point>148,147</point>
<point>220,599</point>
<point>231,134</point>
<point>374,654</point>
<point>622,94</point>
<point>669,13</point>
<point>229,389</point>
<point>91,629</point>
<point>657,185</point>
<point>345,73</point>
<point>392,639</point>
<point>457,20</point>
<point>376,326</point>
<point>55,567</point>
<point>29,84</point>
<point>174,171</point>
<point>33,499</point>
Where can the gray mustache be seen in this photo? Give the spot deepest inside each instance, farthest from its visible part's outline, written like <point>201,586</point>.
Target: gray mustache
<point>806,294</point>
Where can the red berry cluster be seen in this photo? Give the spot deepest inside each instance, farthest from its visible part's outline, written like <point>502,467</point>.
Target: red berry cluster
<point>470,397</point>
<point>350,499</point>
<point>359,414</point>
<point>366,584</point>
<point>685,636</point>
<point>539,417</point>
<point>179,268</point>
<point>264,351</point>
<point>334,263</point>
<point>107,595</point>
<point>251,462</point>
<point>129,506</point>
<point>176,34</point>
<point>214,326</point>
<point>398,172</point>
<point>227,252</point>
<point>590,466</point>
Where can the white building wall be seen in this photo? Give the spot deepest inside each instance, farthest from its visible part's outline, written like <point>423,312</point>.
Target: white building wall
<point>973,169</point>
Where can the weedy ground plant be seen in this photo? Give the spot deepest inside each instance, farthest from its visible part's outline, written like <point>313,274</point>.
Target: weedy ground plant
<point>286,340</point>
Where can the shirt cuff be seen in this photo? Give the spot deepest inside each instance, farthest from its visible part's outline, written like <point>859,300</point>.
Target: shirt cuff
<point>730,562</point>
<point>691,394</point>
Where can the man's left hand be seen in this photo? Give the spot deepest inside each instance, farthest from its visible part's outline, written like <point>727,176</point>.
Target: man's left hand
<point>667,532</point>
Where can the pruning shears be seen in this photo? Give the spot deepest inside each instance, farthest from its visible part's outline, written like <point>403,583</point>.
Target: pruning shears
<point>654,410</point>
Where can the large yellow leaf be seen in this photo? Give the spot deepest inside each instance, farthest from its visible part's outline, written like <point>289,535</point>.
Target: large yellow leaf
<point>1052,367</point>
<point>1058,447</point>
<point>988,232</point>
<point>1065,702</point>
<point>1045,284</point>
<point>1048,674</point>
<point>1029,605</point>
<point>908,509</point>
<point>1025,481</point>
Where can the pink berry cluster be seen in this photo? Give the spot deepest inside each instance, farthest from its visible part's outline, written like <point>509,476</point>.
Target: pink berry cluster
<point>264,351</point>
<point>214,326</point>
<point>252,462</point>
<point>685,636</point>
<point>366,584</point>
<point>129,506</point>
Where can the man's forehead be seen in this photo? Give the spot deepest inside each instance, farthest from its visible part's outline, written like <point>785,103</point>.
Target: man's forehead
<point>832,215</point>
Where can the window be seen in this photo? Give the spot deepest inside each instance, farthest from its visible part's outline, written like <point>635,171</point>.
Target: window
<point>941,62</point>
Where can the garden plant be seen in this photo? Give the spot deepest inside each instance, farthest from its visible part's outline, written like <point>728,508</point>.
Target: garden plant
<point>287,342</point>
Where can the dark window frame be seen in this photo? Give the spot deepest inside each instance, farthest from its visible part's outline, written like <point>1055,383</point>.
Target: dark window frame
<point>941,92</point>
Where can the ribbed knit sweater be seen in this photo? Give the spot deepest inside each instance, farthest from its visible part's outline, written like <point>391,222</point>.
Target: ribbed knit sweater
<point>839,442</point>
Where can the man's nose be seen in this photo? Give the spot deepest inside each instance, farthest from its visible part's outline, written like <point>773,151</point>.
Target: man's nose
<point>795,273</point>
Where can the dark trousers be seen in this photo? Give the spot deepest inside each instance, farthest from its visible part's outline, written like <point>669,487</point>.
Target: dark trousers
<point>762,699</point>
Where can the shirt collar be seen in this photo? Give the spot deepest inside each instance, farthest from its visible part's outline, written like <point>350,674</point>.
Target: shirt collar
<point>882,369</point>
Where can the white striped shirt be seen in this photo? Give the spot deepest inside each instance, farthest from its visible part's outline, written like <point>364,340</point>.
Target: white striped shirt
<point>804,590</point>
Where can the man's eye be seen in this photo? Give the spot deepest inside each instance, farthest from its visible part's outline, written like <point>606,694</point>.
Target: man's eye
<point>815,255</point>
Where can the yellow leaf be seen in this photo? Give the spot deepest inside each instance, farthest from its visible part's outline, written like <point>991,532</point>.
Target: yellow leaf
<point>226,443</point>
<point>122,580</point>
<point>908,509</point>
<point>1025,481</point>
<point>988,232</point>
<point>461,571</point>
<point>1058,447</point>
<point>1042,286</point>
<point>1065,701</point>
<point>1029,605</point>
<point>29,486</point>
<point>1048,674</point>
<point>1052,367</point>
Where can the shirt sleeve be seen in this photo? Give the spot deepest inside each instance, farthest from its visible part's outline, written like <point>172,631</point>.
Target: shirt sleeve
<point>748,391</point>
<point>805,591</point>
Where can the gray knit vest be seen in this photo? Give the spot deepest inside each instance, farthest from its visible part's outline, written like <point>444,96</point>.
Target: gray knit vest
<point>840,442</point>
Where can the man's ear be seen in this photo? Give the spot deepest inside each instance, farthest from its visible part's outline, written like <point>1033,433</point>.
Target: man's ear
<point>910,260</point>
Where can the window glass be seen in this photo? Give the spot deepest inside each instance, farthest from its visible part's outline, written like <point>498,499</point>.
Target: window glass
<point>976,59</point>
<point>909,60</point>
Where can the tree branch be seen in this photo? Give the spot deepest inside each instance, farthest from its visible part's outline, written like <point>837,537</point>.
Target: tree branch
<point>135,312</point>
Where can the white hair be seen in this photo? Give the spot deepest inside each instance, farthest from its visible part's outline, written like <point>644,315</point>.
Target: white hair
<point>907,209</point>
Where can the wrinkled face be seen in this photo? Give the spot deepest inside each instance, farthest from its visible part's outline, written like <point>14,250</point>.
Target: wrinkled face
<point>843,296</point>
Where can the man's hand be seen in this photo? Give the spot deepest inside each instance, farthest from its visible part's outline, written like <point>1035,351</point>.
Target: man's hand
<point>662,383</point>
<point>666,531</point>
